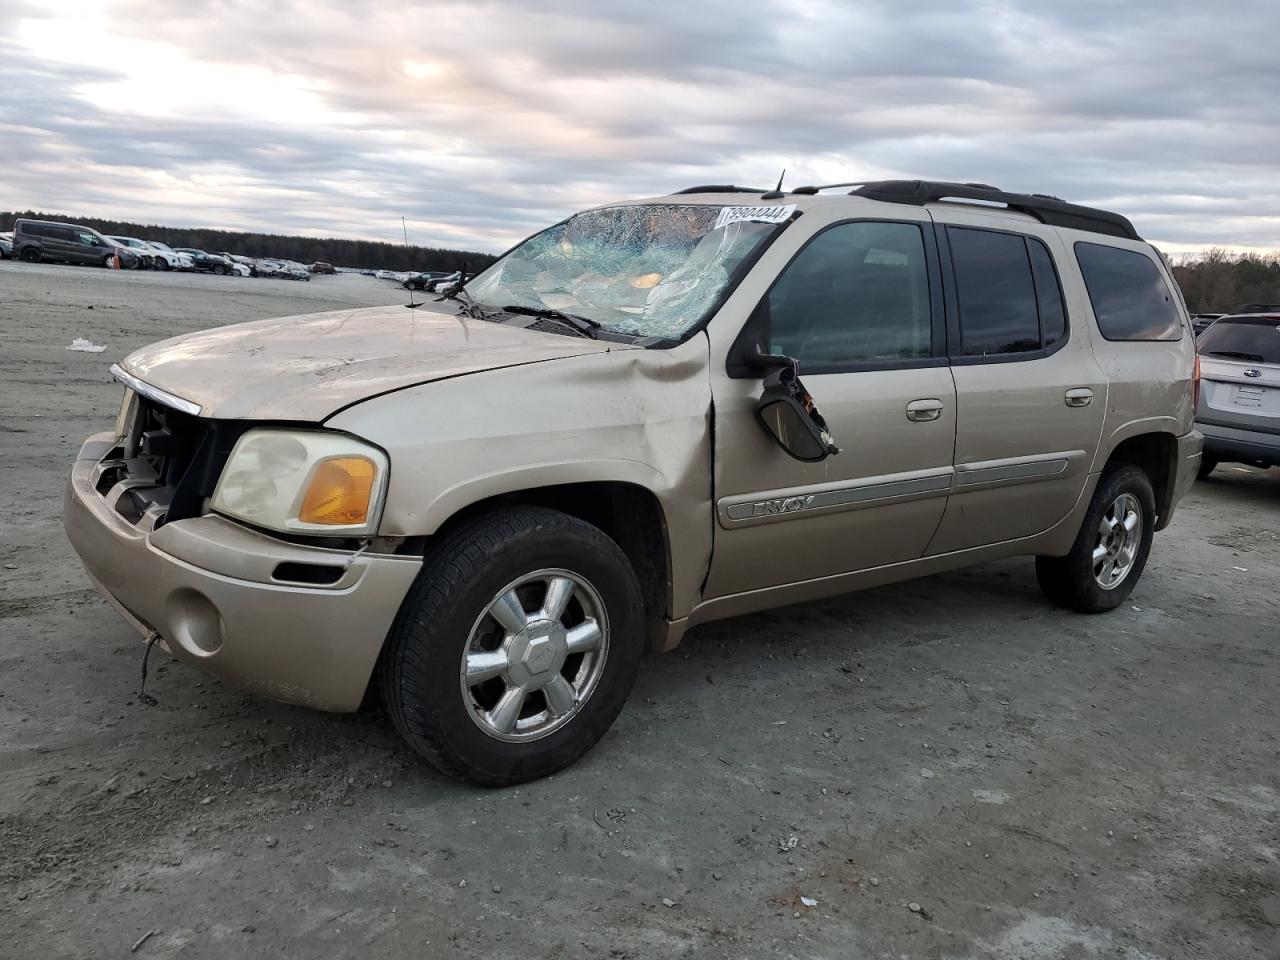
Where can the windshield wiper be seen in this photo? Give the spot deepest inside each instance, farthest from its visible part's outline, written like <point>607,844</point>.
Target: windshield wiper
<point>468,306</point>
<point>583,325</point>
<point>1235,355</point>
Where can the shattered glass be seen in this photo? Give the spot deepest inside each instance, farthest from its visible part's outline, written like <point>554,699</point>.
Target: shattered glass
<point>652,270</point>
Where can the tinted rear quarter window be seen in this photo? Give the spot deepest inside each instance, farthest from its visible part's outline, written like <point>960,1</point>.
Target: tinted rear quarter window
<point>1251,340</point>
<point>1130,298</point>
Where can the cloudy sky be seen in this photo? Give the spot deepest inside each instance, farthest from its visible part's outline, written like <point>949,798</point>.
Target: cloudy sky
<point>481,122</point>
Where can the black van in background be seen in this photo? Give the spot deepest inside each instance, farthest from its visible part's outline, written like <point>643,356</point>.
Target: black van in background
<point>36,240</point>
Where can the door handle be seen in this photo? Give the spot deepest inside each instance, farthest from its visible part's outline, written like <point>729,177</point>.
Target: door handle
<point>1078,397</point>
<point>922,411</point>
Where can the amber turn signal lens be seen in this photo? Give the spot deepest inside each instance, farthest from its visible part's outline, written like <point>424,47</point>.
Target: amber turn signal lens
<point>340,491</point>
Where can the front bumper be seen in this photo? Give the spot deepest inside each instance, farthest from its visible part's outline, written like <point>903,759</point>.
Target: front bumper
<point>211,589</point>
<point>1245,446</point>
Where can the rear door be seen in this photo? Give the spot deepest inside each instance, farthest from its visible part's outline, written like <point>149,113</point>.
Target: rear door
<point>858,304</point>
<point>60,243</point>
<point>1031,398</point>
<point>1240,374</point>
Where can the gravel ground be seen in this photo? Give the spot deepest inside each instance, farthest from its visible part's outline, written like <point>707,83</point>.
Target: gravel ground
<point>944,768</point>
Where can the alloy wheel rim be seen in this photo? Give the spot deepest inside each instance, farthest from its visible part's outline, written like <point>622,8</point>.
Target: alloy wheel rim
<point>1119,535</point>
<point>534,655</point>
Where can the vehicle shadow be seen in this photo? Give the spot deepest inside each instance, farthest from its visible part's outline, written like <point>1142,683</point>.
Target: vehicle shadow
<point>1244,485</point>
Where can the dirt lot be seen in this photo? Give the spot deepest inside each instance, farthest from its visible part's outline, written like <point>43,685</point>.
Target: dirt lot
<point>1037,784</point>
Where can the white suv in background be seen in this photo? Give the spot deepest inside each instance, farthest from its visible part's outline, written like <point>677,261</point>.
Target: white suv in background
<point>168,258</point>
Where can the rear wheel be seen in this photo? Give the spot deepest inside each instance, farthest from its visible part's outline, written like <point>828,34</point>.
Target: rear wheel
<point>1207,466</point>
<point>1111,549</point>
<point>31,255</point>
<point>516,647</point>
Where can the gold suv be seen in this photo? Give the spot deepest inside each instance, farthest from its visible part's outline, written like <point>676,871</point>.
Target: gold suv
<point>651,415</point>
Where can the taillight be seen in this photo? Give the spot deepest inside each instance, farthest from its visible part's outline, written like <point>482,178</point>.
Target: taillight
<point>1195,385</point>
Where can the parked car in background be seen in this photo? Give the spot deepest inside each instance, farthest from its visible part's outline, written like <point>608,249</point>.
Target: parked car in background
<point>267,267</point>
<point>298,505</point>
<point>241,266</point>
<point>296,271</point>
<point>37,240</point>
<point>1200,322</point>
<point>145,252</point>
<point>424,280</point>
<point>6,245</point>
<point>168,258</point>
<point>321,267</point>
<point>207,262</point>
<point>1239,407</point>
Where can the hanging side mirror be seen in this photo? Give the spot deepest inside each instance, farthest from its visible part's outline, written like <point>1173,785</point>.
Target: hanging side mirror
<point>788,414</point>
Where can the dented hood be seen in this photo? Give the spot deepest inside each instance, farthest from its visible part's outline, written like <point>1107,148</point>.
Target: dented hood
<point>309,367</point>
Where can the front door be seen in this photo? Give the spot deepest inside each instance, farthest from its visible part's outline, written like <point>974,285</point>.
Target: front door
<point>859,307</point>
<point>1030,396</point>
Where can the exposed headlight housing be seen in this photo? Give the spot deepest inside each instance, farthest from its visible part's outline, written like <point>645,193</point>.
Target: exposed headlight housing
<point>304,481</point>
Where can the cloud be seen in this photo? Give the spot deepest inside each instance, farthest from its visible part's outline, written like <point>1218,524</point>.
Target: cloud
<point>482,122</point>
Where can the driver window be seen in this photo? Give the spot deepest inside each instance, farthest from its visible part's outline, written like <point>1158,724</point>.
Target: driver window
<point>857,294</point>
<point>88,239</point>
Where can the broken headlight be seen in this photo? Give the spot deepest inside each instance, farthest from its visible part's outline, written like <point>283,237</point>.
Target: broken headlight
<point>304,481</point>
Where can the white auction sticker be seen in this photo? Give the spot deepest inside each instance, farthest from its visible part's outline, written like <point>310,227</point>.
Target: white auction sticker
<point>773,213</point>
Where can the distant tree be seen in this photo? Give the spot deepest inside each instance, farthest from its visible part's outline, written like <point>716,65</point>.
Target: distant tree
<point>1218,281</point>
<point>363,254</point>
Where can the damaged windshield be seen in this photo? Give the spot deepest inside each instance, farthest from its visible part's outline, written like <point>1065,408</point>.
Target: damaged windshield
<point>652,270</point>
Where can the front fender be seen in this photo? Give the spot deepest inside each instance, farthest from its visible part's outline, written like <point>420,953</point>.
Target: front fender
<point>641,417</point>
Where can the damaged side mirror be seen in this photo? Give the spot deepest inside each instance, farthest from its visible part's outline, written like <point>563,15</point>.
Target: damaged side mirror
<point>787,412</point>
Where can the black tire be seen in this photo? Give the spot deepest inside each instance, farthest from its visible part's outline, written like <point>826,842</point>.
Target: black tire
<point>1207,466</point>
<point>419,669</point>
<point>32,255</point>
<point>1070,581</point>
<point>162,264</point>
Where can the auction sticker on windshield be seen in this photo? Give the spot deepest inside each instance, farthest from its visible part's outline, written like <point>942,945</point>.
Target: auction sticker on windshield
<point>773,213</point>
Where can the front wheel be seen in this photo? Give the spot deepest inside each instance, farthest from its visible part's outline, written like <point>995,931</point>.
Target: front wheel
<point>515,648</point>
<point>1111,549</point>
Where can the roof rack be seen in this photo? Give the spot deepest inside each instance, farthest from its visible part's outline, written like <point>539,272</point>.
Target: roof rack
<point>719,188</point>
<point>1046,209</point>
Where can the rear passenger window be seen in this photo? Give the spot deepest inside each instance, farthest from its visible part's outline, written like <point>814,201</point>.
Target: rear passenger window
<point>1009,298</point>
<point>1130,298</point>
<point>1053,315</point>
<point>858,293</point>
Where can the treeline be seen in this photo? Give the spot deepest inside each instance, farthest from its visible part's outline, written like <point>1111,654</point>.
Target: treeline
<point>1219,282</point>
<point>335,250</point>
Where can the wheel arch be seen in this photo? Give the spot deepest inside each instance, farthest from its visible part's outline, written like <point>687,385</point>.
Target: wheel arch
<point>629,513</point>
<point>1155,452</point>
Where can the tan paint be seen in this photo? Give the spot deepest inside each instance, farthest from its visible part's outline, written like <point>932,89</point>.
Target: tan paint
<point>308,367</point>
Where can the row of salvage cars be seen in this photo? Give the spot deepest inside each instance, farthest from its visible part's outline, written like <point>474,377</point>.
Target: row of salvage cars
<point>38,241</point>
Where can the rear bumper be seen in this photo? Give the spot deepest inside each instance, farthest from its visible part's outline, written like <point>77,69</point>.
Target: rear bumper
<point>208,588</point>
<point>1189,451</point>
<point>1246,446</point>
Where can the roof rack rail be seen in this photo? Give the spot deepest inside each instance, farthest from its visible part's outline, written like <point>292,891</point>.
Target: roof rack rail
<point>719,188</point>
<point>1043,207</point>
